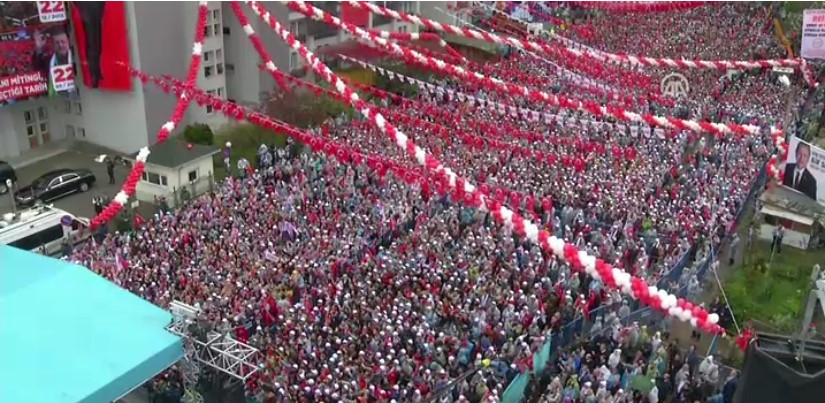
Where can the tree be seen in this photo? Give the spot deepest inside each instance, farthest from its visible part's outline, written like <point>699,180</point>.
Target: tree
<point>304,109</point>
<point>199,133</point>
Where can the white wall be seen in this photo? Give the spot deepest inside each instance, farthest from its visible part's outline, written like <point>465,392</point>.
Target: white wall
<point>792,238</point>
<point>8,133</point>
<point>13,138</point>
<point>204,166</point>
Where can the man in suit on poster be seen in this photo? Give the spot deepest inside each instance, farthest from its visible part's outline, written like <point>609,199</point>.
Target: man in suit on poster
<point>91,14</point>
<point>797,175</point>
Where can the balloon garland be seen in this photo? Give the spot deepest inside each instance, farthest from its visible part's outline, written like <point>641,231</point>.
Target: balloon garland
<point>510,89</point>
<point>129,185</point>
<point>332,148</point>
<point>463,190</point>
<point>722,65</point>
<point>641,7</point>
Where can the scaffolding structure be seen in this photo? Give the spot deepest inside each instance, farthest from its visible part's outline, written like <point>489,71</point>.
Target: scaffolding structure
<point>205,347</point>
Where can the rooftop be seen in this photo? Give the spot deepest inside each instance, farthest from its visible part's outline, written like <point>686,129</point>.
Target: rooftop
<point>173,153</point>
<point>69,335</point>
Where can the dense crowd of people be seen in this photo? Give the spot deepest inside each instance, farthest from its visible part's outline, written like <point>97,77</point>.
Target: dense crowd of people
<point>356,286</point>
<point>634,364</point>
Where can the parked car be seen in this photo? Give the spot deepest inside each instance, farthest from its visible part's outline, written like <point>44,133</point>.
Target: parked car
<point>54,185</point>
<point>6,172</point>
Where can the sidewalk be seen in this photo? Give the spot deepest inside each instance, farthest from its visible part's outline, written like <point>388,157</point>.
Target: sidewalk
<point>53,149</point>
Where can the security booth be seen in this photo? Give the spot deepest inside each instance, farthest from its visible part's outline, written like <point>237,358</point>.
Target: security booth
<point>802,218</point>
<point>176,171</point>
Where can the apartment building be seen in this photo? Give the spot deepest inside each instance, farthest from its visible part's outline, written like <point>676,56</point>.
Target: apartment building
<point>160,41</point>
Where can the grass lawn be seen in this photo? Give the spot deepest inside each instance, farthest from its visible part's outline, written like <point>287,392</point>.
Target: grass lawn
<point>800,6</point>
<point>774,294</point>
<point>245,139</point>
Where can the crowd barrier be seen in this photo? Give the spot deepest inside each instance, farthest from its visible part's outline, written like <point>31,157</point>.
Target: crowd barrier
<point>579,329</point>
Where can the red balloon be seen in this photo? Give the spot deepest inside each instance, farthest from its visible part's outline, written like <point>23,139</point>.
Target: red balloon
<point>189,146</point>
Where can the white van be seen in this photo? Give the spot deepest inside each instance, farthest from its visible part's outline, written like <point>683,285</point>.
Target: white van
<point>40,229</point>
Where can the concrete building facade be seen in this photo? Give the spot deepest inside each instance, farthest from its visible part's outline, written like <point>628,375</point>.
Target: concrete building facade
<point>160,41</point>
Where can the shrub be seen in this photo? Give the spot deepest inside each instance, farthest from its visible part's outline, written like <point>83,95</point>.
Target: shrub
<point>199,133</point>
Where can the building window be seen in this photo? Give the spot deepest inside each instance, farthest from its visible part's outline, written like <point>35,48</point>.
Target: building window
<point>207,31</point>
<point>293,60</point>
<point>67,106</point>
<point>212,63</point>
<point>209,108</point>
<point>230,68</point>
<point>82,132</point>
<point>219,92</point>
<point>216,28</point>
<point>37,126</point>
<point>226,31</point>
<point>154,178</point>
<point>193,175</point>
<point>70,133</point>
<point>402,29</point>
<point>216,15</point>
<point>78,109</point>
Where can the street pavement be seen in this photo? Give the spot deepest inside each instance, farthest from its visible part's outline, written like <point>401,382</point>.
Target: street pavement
<point>79,204</point>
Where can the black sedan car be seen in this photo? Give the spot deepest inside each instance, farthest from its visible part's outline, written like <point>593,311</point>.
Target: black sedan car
<point>54,185</point>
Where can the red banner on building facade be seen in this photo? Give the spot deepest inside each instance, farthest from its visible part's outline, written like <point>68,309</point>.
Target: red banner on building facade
<point>355,15</point>
<point>35,51</point>
<point>103,43</point>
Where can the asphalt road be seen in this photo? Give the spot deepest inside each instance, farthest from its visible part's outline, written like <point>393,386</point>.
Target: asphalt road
<point>79,204</point>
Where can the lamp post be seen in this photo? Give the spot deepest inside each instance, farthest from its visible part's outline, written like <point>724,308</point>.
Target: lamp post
<point>11,194</point>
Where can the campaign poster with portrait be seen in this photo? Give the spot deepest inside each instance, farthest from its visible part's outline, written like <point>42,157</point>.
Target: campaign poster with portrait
<point>35,50</point>
<point>102,44</point>
<point>805,169</point>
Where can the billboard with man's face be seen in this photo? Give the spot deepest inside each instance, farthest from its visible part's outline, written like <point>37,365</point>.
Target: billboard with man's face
<point>35,51</point>
<point>805,169</point>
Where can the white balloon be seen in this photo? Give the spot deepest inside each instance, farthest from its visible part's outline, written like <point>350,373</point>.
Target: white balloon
<point>693,322</point>
<point>673,311</point>
<point>677,312</point>
<point>713,318</point>
<point>685,316</point>
<point>662,296</point>
<point>672,300</point>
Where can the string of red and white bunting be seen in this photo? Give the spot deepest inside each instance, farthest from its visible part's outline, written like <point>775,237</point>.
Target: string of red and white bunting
<point>501,129</point>
<point>510,89</point>
<point>346,154</point>
<point>722,65</point>
<point>129,185</point>
<point>257,44</point>
<point>579,260</point>
<point>469,139</point>
<point>571,79</point>
<point>536,12</point>
<point>641,7</point>
<point>774,163</point>
<point>575,161</point>
<point>453,95</point>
